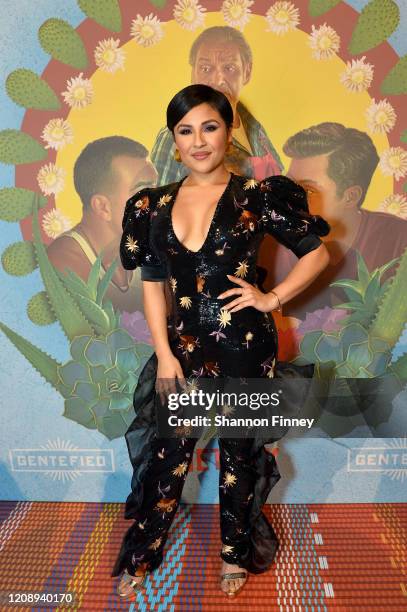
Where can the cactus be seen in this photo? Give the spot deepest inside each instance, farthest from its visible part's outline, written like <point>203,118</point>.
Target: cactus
<point>19,148</point>
<point>18,259</point>
<point>395,82</point>
<point>104,12</point>
<point>58,38</point>
<point>16,203</point>
<point>319,7</point>
<point>27,89</point>
<point>376,22</point>
<point>39,310</point>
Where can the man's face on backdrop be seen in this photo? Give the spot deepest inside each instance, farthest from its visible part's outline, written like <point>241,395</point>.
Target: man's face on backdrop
<point>220,66</point>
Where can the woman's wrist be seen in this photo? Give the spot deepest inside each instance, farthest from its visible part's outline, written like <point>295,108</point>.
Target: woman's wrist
<point>275,301</point>
<point>163,352</point>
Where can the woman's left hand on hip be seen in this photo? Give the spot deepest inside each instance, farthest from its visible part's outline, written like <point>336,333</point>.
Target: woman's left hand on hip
<point>248,295</point>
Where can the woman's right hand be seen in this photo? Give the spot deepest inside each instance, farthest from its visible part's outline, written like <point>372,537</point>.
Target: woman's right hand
<point>169,371</point>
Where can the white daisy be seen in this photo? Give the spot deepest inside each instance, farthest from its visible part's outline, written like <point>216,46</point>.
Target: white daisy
<point>324,42</point>
<point>358,75</point>
<point>57,133</point>
<point>393,162</point>
<point>381,117</point>
<point>79,92</point>
<point>250,184</point>
<point>395,204</point>
<point>236,13</point>
<point>224,317</point>
<point>54,223</point>
<point>282,17</point>
<point>189,14</point>
<point>108,56</point>
<point>50,179</point>
<point>146,31</point>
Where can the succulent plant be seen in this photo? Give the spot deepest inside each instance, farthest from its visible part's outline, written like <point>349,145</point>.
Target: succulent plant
<point>16,203</point>
<point>395,82</point>
<point>105,12</point>
<point>58,38</point>
<point>27,89</point>
<point>17,147</point>
<point>319,7</point>
<point>377,21</point>
<point>18,259</point>
<point>39,310</point>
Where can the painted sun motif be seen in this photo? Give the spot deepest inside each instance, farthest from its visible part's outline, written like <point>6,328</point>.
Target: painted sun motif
<point>50,179</point>
<point>242,269</point>
<point>282,17</point>
<point>181,469</point>
<point>156,544</point>
<point>229,479</point>
<point>324,42</point>
<point>163,201</point>
<point>146,31</point>
<point>236,13</point>
<point>393,162</point>
<point>108,55</point>
<point>173,283</point>
<point>185,301</point>
<point>395,204</point>
<point>189,14</point>
<point>54,223</point>
<point>224,317</point>
<point>79,92</point>
<point>358,75</point>
<point>381,117</point>
<point>131,244</point>
<point>250,183</point>
<point>57,133</point>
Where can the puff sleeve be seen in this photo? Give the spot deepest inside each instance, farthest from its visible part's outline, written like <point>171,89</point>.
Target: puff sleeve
<point>135,247</point>
<point>286,217</point>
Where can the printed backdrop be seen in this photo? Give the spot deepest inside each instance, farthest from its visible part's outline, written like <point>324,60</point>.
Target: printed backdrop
<point>320,91</point>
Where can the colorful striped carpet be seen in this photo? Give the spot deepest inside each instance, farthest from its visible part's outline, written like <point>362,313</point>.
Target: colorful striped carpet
<point>332,557</point>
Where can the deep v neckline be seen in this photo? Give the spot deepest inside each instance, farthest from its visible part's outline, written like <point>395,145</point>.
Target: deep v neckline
<point>214,216</point>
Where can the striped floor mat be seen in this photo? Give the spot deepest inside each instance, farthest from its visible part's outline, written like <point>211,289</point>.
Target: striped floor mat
<point>332,557</point>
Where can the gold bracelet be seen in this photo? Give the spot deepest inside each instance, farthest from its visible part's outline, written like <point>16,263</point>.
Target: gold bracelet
<point>279,309</point>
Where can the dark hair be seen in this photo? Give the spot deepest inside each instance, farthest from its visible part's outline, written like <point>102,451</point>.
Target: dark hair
<point>222,34</point>
<point>192,96</point>
<point>352,155</point>
<point>93,172</point>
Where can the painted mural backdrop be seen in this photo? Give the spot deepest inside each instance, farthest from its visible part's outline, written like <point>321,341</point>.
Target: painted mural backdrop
<point>319,92</point>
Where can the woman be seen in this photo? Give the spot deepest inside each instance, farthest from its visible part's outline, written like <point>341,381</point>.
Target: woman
<point>202,234</point>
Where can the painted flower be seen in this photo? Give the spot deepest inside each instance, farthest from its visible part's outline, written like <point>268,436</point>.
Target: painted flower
<point>108,55</point>
<point>146,31</point>
<point>131,244</point>
<point>181,469</point>
<point>50,179</point>
<point>163,201</point>
<point>189,14</point>
<point>250,183</point>
<point>218,334</point>
<point>79,92</point>
<point>358,75</point>
<point>395,204</point>
<point>224,317</point>
<point>57,133</point>
<point>54,223</point>
<point>136,325</point>
<point>236,13</point>
<point>248,338</point>
<point>324,42</point>
<point>326,319</point>
<point>282,17</point>
<point>393,162</point>
<point>185,301</point>
<point>242,269</point>
<point>173,283</point>
<point>381,117</point>
<point>229,479</point>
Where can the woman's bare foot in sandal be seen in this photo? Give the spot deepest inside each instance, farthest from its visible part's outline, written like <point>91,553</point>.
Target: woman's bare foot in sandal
<point>229,584</point>
<point>130,584</point>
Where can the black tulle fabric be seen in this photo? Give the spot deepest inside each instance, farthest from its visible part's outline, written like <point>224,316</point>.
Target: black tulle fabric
<point>206,343</point>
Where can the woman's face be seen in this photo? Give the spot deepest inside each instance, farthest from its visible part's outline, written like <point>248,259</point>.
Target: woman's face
<point>202,138</point>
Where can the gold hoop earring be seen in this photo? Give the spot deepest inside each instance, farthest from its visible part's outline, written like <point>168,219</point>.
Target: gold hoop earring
<point>177,155</point>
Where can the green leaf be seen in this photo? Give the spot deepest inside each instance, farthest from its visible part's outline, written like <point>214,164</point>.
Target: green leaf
<point>27,89</point>
<point>400,367</point>
<point>158,3</point>
<point>19,148</point>
<point>16,203</point>
<point>395,82</point>
<point>105,12</point>
<point>104,283</point>
<point>73,282</point>
<point>352,305</point>
<point>363,272</point>
<point>377,21</point>
<point>58,38</point>
<point>18,259</point>
<point>352,284</point>
<point>403,136</point>
<point>319,7</point>
<point>93,277</point>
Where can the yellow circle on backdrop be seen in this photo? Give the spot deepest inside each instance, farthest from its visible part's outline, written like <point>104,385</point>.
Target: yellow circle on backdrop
<point>288,91</point>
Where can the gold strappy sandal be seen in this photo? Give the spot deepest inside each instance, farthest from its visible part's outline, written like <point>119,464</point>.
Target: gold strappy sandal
<point>129,580</point>
<point>234,576</point>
